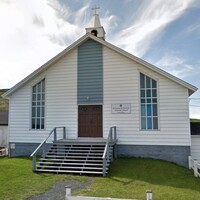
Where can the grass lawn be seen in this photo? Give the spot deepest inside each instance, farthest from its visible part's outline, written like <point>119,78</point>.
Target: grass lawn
<point>128,178</point>
<point>17,181</point>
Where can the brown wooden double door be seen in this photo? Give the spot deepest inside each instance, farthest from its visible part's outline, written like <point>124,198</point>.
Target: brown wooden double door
<point>90,121</point>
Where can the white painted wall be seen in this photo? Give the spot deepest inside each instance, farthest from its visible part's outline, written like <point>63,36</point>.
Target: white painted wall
<point>195,147</point>
<point>61,103</point>
<point>3,136</point>
<point>121,83</point>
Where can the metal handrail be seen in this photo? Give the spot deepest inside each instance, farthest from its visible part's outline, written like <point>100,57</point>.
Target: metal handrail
<point>44,142</point>
<point>112,137</point>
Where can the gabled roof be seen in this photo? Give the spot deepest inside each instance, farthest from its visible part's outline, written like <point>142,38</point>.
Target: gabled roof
<point>81,40</point>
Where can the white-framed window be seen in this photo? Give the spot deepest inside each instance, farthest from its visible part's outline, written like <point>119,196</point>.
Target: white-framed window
<point>38,105</point>
<point>148,103</point>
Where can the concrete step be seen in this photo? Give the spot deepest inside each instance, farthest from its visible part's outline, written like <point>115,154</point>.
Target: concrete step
<point>75,153</point>
<point>80,158</point>
<point>70,163</point>
<point>69,167</point>
<point>74,156</point>
<point>71,159</point>
<point>69,171</point>
<point>75,150</point>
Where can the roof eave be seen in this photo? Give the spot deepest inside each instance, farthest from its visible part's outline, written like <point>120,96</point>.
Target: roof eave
<point>46,65</point>
<point>190,87</point>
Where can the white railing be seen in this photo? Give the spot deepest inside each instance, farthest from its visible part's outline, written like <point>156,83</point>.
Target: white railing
<point>195,165</point>
<point>112,138</point>
<point>44,142</point>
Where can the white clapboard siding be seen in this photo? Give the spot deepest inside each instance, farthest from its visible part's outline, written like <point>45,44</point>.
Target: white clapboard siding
<point>121,85</point>
<point>61,104</point>
<point>195,147</point>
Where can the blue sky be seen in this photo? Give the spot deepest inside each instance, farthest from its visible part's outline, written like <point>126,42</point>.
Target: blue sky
<point>164,33</point>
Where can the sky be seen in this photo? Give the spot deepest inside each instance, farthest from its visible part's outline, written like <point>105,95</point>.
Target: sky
<point>163,33</point>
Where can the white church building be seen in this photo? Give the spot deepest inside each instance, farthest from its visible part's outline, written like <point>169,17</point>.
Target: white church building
<point>93,85</point>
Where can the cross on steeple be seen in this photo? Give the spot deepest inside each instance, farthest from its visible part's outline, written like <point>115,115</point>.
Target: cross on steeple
<point>95,9</point>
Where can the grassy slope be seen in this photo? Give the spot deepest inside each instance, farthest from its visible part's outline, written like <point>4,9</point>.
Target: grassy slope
<point>130,178</point>
<point>17,181</point>
<point>4,103</point>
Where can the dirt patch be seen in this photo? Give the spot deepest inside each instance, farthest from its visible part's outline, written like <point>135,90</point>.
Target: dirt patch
<point>57,192</point>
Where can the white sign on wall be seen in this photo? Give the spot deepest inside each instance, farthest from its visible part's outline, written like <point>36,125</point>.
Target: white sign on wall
<point>121,108</point>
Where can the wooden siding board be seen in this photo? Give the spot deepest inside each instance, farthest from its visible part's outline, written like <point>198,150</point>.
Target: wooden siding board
<point>61,104</point>
<point>121,83</point>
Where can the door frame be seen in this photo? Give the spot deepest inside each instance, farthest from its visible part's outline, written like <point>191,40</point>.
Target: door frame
<point>93,104</point>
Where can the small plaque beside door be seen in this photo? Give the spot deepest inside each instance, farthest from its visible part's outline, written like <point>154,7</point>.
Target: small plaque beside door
<point>121,108</point>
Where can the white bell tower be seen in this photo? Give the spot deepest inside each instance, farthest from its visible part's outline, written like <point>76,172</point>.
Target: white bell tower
<point>95,27</point>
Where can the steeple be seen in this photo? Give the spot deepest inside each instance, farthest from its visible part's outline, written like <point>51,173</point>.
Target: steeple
<point>95,27</point>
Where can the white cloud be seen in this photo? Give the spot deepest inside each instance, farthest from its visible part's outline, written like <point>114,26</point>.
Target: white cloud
<point>149,23</point>
<point>175,65</point>
<point>32,32</point>
<point>192,28</point>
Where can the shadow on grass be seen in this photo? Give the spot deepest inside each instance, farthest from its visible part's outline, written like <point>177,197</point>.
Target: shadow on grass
<point>157,172</point>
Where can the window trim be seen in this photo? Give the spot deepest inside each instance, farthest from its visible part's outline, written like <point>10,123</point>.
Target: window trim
<point>139,102</point>
<point>31,101</point>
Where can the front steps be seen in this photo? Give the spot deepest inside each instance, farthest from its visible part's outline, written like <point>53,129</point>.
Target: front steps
<point>75,157</point>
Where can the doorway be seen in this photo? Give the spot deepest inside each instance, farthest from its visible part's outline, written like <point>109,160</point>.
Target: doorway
<point>90,121</point>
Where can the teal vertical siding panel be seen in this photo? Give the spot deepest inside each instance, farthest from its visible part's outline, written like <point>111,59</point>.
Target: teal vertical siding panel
<point>90,73</point>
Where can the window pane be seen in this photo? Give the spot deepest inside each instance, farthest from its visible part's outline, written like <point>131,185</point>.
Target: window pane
<point>149,110</point>
<point>42,124</point>
<point>154,100</point>
<point>38,124</point>
<point>155,123</point>
<point>148,100</point>
<point>142,83</point>
<point>34,97</point>
<point>142,93</point>
<point>143,110</point>
<point>148,93</point>
<point>33,123</point>
<point>33,112</point>
<point>148,85</point>
<point>38,103</point>
<point>149,123</point>
<point>38,97</point>
<point>39,87</point>
<point>154,93</point>
<point>154,84</point>
<point>42,111</point>
<point>155,111</point>
<point>43,86</point>
<point>38,111</point>
<point>34,89</point>
<point>143,123</point>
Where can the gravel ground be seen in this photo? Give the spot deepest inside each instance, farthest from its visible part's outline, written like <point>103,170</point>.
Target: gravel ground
<point>57,192</point>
